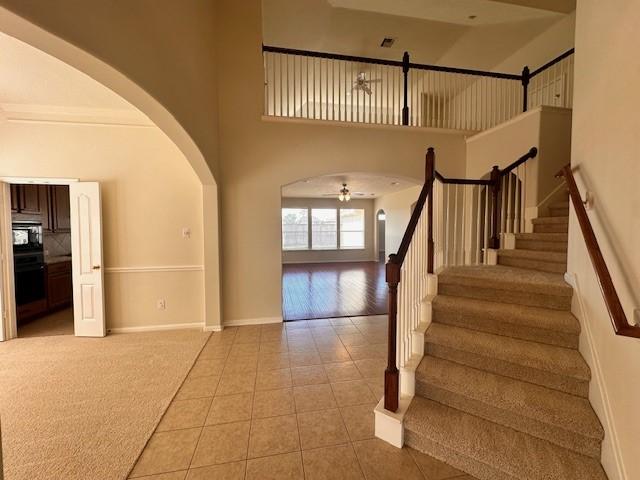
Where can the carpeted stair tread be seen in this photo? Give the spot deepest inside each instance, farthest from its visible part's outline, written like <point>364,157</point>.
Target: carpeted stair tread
<point>544,261</point>
<point>551,366</point>
<point>491,451</point>
<point>556,257</point>
<point>543,325</point>
<point>506,278</point>
<point>558,417</point>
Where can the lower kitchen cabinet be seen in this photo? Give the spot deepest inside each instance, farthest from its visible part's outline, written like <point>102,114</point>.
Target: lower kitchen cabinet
<point>59,285</point>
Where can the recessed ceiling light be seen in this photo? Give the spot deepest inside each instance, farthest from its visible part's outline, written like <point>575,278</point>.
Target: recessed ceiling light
<point>395,183</point>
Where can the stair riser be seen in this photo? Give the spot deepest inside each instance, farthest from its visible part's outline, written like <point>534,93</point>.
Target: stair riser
<point>551,267</point>
<point>506,296</point>
<point>558,436</point>
<point>479,470</point>
<point>541,246</point>
<point>547,379</point>
<point>559,211</point>
<point>550,228</point>
<point>474,321</point>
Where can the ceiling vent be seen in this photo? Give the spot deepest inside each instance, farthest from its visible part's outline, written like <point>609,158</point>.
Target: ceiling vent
<point>387,42</point>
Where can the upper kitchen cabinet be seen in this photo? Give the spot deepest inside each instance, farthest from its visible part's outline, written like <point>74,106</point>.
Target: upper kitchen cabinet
<point>26,200</point>
<point>60,209</point>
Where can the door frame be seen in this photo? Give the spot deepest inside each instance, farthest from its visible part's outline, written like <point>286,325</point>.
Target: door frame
<point>9,323</point>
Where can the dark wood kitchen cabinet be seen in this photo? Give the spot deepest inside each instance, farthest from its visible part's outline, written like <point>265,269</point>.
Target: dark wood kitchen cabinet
<point>59,285</point>
<point>26,199</point>
<point>59,209</point>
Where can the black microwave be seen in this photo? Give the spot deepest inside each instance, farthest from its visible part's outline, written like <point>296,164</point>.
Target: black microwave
<point>27,237</point>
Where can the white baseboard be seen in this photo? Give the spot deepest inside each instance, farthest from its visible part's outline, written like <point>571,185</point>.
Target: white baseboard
<point>213,328</point>
<point>590,354</point>
<point>302,262</point>
<point>252,321</point>
<point>157,328</point>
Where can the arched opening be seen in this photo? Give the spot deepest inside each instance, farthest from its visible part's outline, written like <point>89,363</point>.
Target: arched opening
<point>334,242</point>
<point>108,76</point>
<point>151,263</point>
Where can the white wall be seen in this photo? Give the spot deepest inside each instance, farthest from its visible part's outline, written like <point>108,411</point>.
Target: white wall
<point>397,207</point>
<point>605,148</point>
<point>365,254</point>
<point>149,191</point>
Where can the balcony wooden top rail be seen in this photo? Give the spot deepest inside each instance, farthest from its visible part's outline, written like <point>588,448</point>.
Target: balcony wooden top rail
<point>551,63</point>
<point>618,318</point>
<point>391,63</point>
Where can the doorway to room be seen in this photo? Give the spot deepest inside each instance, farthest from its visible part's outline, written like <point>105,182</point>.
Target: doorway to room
<point>381,221</point>
<point>41,247</point>
<point>51,277</point>
<point>333,245</point>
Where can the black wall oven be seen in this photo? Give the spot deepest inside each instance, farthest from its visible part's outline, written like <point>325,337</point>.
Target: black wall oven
<point>28,263</point>
<point>27,237</point>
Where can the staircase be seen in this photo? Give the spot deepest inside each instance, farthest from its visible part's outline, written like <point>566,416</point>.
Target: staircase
<point>501,392</point>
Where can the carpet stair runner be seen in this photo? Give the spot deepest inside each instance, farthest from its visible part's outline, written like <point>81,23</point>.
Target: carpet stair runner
<point>501,392</point>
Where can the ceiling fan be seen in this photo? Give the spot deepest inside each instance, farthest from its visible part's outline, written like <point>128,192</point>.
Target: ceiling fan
<point>362,83</point>
<point>344,194</point>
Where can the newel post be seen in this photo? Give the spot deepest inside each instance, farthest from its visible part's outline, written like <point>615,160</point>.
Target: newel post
<point>391,376</point>
<point>495,197</point>
<point>526,77</point>
<point>405,71</point>
<point>429,177</point>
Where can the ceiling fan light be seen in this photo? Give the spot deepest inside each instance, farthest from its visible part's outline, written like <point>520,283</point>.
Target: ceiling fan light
<point>341,197</point>
<point>347,197</point>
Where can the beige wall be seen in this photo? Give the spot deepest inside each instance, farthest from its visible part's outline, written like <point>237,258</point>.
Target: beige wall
<point>320,256</point>
<point>397,207</point>
<point>149,192</point>
<point>605,148</point>
<point>548,129</point>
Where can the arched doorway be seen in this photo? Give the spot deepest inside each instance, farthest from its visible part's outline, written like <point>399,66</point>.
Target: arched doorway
<point>334,244</point>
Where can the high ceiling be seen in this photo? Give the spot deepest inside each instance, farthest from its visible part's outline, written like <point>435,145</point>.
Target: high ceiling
<point>432,31</point>
<point>29,76</point>
<point>361,185</point>
<point>460,12</point>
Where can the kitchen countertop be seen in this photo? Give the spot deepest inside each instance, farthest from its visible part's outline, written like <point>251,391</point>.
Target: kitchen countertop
<point>60,259</point>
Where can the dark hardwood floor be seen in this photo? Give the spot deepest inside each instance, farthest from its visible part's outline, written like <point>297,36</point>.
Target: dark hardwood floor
<point>326,290</point>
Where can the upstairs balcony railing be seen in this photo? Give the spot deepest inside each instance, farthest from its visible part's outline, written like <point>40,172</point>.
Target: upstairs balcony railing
<point>327,86</point>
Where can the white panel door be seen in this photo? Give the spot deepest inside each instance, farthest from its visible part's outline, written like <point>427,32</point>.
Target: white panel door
<point>7,292</point>
<point>86,251</point>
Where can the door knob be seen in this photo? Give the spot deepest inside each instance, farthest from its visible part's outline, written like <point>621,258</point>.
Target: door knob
<point>96,267</point>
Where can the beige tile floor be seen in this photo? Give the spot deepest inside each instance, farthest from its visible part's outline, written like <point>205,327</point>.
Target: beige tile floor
<point>285,401</point>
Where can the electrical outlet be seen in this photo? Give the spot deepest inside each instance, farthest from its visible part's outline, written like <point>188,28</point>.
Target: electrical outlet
<point>186,233</point>
<point>162,304</point>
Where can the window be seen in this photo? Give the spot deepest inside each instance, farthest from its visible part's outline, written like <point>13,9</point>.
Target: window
<point>351,228</point>
<point>295,229</point>
<point>324,229</point>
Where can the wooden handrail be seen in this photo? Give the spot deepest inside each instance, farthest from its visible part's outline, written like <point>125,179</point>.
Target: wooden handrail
<point>393,269</point>
<point>618,318</point>
<point>532,153</point>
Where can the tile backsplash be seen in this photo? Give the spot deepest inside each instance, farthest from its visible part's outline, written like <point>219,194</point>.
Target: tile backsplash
<point>57,244</point>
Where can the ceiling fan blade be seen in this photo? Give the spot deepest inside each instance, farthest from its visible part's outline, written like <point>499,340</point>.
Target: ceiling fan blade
<point>374,80</point>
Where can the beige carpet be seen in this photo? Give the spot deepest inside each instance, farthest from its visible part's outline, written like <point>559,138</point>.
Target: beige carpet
<point>83,408</point>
